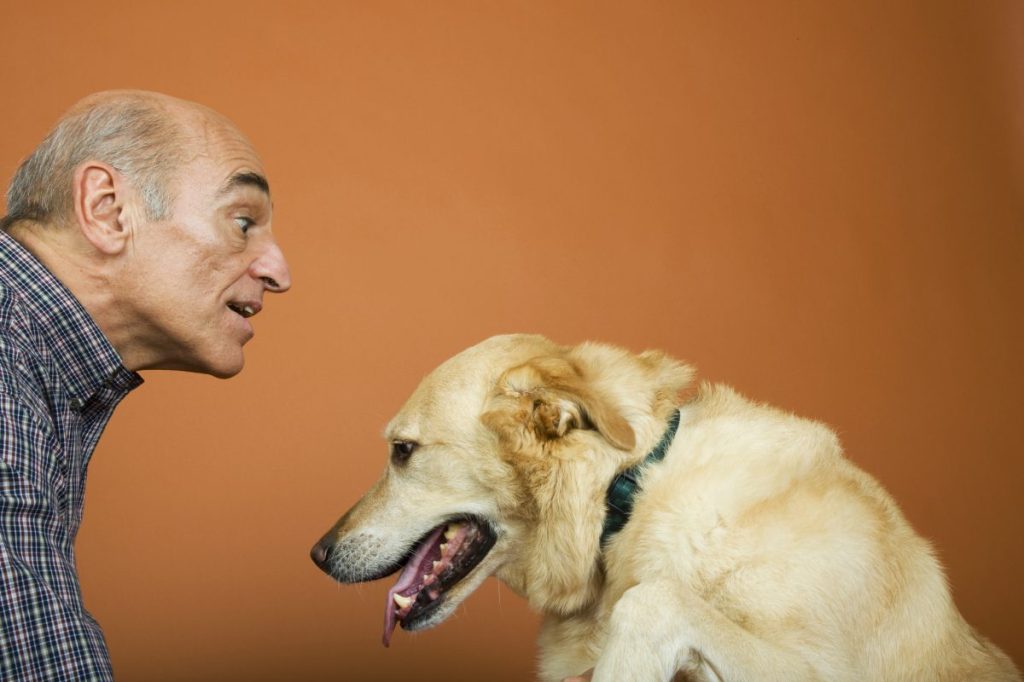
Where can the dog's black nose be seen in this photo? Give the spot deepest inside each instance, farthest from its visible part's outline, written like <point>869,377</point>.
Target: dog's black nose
<point>320,553</point>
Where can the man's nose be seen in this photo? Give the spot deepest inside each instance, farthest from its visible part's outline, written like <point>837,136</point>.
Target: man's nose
<point>272,268</point>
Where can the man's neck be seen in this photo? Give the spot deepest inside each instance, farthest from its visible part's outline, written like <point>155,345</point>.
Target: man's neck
<point>86,274</point>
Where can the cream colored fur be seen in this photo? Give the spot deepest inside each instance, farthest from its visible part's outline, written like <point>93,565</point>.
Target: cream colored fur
<point>756,551</point>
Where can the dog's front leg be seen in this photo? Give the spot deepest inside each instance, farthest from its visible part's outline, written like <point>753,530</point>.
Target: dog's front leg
<point>657,629</point>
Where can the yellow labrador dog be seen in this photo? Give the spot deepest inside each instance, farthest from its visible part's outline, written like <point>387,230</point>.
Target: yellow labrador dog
<point>710,536</point>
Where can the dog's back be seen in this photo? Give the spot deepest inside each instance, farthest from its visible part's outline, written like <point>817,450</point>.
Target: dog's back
<point>759,514</point>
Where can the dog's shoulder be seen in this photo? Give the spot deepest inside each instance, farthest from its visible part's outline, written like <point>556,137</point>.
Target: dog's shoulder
<point>720,423</point>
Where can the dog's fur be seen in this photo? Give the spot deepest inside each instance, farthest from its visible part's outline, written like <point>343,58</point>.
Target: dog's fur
<point>756,551</point>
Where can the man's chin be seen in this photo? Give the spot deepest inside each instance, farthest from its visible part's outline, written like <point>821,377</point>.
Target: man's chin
<point>224,363</point>
<point>227,368</point>
<point>222,360</point>
<point>224,374</point>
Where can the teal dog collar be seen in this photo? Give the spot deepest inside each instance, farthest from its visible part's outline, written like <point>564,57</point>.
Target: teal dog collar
<point>619,498</point>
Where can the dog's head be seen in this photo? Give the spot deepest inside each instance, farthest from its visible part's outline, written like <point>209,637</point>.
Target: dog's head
<point>499,463</point>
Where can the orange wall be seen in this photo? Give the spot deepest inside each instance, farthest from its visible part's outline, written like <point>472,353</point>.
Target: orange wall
<point>819,203</point>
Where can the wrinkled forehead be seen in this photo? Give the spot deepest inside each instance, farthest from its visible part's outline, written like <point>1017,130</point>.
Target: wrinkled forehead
<point>208,133</point>
<point>219,158</point>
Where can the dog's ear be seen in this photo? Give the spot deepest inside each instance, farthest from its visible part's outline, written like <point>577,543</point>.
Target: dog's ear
<point>551,398</point>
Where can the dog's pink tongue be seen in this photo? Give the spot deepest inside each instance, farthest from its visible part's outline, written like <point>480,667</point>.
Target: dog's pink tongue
<point>409,578</point>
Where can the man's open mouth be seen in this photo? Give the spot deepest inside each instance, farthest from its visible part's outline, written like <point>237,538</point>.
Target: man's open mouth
<point>444,557</point>
<point>243,309</point>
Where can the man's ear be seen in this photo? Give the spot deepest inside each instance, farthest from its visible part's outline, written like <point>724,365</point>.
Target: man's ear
<point>99,192</point>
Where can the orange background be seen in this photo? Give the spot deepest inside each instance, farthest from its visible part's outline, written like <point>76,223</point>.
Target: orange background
<point>819,203</point>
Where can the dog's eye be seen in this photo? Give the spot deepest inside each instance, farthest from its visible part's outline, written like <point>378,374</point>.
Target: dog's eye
<point>401,450</point>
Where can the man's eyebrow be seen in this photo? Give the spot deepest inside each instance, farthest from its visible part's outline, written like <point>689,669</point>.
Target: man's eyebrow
<point>246,179</point>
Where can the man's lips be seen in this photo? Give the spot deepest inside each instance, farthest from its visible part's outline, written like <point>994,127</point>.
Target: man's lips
<point>245,308</point>
<point>242,310</point>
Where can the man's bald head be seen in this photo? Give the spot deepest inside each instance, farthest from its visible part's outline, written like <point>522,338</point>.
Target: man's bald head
<point>144,135</point>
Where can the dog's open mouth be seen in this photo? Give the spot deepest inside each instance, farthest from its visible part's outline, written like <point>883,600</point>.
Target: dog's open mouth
<point>443,558</point>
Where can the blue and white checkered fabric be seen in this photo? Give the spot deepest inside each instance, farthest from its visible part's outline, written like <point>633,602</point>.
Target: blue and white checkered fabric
<point>60,380</point>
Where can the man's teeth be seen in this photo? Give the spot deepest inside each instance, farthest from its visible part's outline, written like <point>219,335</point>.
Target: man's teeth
<point>402,602</point>
<point>243,310</point>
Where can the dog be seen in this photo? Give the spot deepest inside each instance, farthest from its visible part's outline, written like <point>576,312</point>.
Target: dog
<point>704,535</point>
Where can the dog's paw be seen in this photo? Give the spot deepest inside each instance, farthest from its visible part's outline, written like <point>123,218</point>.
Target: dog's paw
<point>648,639</point>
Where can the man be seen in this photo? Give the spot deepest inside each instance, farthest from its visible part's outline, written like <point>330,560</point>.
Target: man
<point>137,237</point>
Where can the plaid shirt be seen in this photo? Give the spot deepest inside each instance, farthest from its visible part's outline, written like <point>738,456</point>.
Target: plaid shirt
<point>60,380</point>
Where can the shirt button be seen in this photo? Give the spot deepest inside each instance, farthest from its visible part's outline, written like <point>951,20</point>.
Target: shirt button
<point>76,404</point>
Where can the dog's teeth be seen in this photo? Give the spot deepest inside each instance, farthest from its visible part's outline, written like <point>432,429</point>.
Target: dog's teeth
<point>402,602</point>
<point>451,531</point>
<point>437,567</point>
<point>444,548</point>
<point>429,579</point>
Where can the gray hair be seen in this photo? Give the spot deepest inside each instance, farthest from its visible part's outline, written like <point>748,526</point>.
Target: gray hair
<point>132,132</point>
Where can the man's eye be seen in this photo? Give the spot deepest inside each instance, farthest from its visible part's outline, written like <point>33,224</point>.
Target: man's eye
<point>244,223</point>
<point>401,450</point>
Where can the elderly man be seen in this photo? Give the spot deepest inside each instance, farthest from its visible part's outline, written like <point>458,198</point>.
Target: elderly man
<point>137,237</point>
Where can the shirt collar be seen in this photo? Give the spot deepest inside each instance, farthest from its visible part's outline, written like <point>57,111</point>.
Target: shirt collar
<point>86,359</point>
